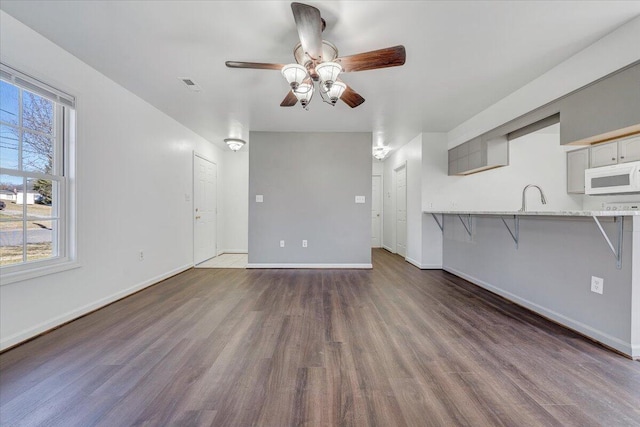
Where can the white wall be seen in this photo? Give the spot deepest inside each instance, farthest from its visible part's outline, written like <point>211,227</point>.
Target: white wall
<point>377,167</point>
<point>434,164</point>
<point>235,194</point>
<point>134,167</point>
<point>411,153</point>
<point>536,158</point>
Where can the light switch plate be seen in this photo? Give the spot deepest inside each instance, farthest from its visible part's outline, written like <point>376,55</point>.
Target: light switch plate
<point>360,199</point>
<point>259,198</point>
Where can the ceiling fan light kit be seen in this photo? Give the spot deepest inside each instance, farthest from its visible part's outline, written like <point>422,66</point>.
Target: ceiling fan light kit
<point>332,94</point>
<point>304,93</point>
<point>295,74</point>
<point>328,73</point>
<point>234,143</point>
<point>317,61</point>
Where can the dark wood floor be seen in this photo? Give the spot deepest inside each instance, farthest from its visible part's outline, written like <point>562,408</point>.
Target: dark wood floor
<point>388,347</point>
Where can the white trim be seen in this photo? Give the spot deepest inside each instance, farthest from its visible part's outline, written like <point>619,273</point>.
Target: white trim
<point>31,273</point>
<point>234,251</point>
<point>412,262</point>
<point>385,247</point>
<point>423,266</point>
<point>594,334</point>
<point>381,175</point>
<point>319,266</point>
<point>430,266</point>
<point>19,337</point>
<point>193,201</point>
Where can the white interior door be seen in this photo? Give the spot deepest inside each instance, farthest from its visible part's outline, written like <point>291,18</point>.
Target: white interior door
<point>376,211</point>
<point>401,211</point>
<point>205,209</point>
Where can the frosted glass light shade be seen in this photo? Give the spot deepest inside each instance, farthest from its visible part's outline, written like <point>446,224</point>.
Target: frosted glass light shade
<point>304,93</point>
<point>295,74</point>
<point>328,72</point>
<point>234,143</point>
<point>335,92</point>
<point>380,152</point>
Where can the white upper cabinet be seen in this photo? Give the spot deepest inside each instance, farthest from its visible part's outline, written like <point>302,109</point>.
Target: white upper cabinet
<point>604,154</point>
<point>577,163</point>
<point>629,149</point>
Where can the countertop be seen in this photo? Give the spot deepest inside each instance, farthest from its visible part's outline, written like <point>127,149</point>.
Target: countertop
<point>538,213</point>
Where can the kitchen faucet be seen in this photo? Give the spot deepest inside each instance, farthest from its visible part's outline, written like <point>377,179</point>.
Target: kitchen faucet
<point>524,199</point>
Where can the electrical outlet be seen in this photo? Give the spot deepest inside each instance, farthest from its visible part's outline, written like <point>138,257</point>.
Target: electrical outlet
<point>282,243</point>
<point>259,198</point>
<point>304,243</point>
<point>597,285</point>
<point>141,255</point>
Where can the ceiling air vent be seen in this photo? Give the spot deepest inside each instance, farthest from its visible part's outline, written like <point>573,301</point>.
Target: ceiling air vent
<point>190,84</point>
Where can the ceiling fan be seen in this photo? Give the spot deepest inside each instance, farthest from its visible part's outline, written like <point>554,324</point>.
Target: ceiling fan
<point>317,61</point>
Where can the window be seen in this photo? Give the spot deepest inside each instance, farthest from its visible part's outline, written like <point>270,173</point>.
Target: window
<point>35,167</point>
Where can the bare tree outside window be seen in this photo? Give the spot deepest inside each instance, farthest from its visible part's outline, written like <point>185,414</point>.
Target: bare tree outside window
<point>27,152</point>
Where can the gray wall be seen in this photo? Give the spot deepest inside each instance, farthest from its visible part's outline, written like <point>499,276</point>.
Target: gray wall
<point>309,182</point>
<point>551,271</point>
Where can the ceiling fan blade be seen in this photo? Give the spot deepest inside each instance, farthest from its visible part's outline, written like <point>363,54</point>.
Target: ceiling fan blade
<point>309,24</point>
<point>382,58</point>
<point>290,100</point>
<point>255,65</point>
<point>351,97</point>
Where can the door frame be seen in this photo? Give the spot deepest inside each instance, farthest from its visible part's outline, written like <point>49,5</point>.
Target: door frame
<point>395,206</point>
<point>193,203</point>
<point>381,231</point>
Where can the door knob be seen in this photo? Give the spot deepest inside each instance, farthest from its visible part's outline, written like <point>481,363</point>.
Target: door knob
<point>198,217</point>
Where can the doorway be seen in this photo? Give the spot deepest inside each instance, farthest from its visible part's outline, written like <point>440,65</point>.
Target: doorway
<point>376,211</point>
<point>401,210</point>
<point>205,209</point>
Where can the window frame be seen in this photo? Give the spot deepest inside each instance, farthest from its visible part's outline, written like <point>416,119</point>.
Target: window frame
<point>63,173</point>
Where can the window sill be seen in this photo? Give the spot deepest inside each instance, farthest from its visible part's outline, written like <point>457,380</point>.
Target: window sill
<point>32,273</point>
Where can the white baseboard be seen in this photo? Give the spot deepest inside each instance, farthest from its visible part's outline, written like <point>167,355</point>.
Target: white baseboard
<point>340,266</point>
<point>431,266</point>
<point>412,261</point>
<point>234,251</point>
<point>388,249</point>
<point>423,266</point>
<point>19,337</point>
<point>588,331</point>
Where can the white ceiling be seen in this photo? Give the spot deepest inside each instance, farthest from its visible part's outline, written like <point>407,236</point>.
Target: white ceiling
<point>462,56</point>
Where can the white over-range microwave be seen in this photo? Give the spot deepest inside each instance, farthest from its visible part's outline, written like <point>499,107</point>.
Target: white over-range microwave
<point>615,179</point>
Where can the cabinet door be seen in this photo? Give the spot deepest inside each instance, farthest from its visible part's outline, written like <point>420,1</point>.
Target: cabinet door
<point>629,150</point>
<point>604,154</point>
<point>577,162</point>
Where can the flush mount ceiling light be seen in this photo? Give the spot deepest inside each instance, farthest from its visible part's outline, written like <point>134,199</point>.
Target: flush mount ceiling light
<point>380,152</point>
<point>234,143</point>
<point>317,61</point>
